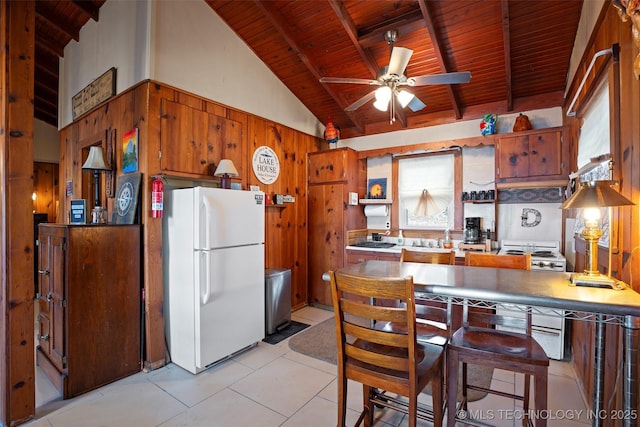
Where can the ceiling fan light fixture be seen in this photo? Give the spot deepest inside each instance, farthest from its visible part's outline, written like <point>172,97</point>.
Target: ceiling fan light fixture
<point>383,94</point>
<point>404,98</point>
<point>381,104</point>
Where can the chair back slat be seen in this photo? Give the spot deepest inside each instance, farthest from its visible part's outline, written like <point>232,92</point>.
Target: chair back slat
<point>489,318</point>
<point>358,340</point>
<point>430,257</point>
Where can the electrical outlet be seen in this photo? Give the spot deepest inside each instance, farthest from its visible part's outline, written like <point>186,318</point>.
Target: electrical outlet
<point>388,225</point>
<point>353,199</point>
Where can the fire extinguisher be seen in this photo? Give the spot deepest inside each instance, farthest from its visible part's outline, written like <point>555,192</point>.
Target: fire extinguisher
<point>157,194</point>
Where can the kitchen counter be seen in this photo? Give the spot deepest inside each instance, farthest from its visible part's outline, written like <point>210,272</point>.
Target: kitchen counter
<point>397,249</point>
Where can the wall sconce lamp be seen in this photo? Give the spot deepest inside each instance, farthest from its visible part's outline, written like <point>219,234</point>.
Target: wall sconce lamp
<point>95,162</point>
<point>225,171</point>
<point>591,196</point>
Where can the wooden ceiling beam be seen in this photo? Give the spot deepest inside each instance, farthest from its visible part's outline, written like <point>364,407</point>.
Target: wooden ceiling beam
<point>506,39</point>
<point>88,8</point>
<point>282,27</point>
<point>44,90</point>
<point>49,45</point>
<point>352,32</point>
<point>45,115</point>
<point>44,12</point>
<point>405,24</point>
<point>437,50</point>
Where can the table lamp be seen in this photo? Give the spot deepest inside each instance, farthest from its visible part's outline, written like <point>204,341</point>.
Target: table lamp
<point>95,162</point>
<point>591,196</point>
<point>225,171</point>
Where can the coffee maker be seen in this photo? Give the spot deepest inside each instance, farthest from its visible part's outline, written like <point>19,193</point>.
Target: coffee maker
<point>472,230</point>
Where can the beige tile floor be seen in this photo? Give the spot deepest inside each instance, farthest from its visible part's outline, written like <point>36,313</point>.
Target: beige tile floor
<point>269,385</point>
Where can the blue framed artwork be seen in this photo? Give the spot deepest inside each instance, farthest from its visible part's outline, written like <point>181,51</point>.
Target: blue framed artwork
<point>130,151</point>
<point>377,188</point>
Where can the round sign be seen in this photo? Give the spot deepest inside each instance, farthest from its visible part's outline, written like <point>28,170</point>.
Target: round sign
<point>266,166</point>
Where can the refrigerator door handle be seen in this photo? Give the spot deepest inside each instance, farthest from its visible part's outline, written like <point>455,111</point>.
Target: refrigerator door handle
<point>207,222</point>
<point>206,295</point>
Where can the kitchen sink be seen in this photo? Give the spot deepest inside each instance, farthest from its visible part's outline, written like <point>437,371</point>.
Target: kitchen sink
<point>376,245</point>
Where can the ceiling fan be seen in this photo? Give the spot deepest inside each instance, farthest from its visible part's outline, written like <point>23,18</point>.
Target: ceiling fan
<point>391,78</point>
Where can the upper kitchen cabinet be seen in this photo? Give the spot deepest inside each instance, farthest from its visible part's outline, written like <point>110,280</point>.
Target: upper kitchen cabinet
<point>332,166</point>
<point>194,141</point>
<point>536,155</point>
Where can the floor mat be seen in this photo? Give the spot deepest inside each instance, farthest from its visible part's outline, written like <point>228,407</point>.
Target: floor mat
<point>319,342</point>
<point>291,329</point>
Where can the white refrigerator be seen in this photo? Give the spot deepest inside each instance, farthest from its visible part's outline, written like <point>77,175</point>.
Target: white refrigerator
<point>213,258</point>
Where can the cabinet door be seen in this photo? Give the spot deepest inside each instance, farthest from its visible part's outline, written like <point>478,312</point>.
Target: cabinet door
<point>58,315</point>
<point>45,294</point>
<point>327,166</point>
<point>545,154</point>
<point>513,157</point>
<point>326,238</point>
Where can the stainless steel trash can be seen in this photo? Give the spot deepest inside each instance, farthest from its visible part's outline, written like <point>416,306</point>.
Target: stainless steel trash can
<point>277,282</point>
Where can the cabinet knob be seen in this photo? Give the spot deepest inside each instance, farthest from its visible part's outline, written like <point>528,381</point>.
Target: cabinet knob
<point>45,272</point>
<point>44,337</point>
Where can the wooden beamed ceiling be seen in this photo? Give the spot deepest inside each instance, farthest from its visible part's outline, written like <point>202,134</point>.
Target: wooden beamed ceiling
<point>517,52</point>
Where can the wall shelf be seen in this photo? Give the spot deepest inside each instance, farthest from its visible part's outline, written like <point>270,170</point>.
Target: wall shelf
<point>375,201</point>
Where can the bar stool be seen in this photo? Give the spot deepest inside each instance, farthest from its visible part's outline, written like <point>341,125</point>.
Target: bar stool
<point>518,352</point>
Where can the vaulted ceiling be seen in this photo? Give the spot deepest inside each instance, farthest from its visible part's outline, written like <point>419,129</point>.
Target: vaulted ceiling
<point>517,52</point>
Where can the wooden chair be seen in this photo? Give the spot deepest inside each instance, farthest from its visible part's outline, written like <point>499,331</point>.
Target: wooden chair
<point>433,318</point>
<point>382,360</point>
<point>444,257</point>
<point>513,349</point>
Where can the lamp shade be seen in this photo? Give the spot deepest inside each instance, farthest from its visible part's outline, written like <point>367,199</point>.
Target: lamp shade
<point>95,161</point>
<point>226,167</point>
<point>595,194</point>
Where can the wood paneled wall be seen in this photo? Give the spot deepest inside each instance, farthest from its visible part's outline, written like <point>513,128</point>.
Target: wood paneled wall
<point>194,127</point>
<point>45,187</point>
<point>625,226</point>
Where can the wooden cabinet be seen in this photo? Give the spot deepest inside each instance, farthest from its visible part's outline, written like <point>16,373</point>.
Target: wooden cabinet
<point>89,298</point>
<point>191,140</point>
<point>532,156</point>
<point>332,176</point>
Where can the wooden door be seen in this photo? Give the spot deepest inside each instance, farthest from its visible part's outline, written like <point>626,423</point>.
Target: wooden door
<point>326,238</point>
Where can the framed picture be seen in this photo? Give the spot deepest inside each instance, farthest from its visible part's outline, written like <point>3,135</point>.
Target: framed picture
<point>127,194</point>
<point>78,212</point>
<point>377,188</point>
<point>130,151</point>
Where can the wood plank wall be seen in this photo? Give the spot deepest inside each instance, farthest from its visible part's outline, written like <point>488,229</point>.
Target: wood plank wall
<point>610,29</point>
<point>45,186</point>
<point>142,107</point>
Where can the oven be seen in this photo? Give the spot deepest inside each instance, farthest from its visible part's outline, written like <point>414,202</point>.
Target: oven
<point>547,328</point>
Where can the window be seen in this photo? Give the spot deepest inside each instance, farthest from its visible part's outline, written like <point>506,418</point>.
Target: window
<point>427,185</point>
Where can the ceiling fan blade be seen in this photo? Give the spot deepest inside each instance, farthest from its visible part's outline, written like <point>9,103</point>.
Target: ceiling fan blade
<point>400,57</point>
<point>440,79</point>
<point>349,80</point>
<point>360,102</point>
<point>415,104</point>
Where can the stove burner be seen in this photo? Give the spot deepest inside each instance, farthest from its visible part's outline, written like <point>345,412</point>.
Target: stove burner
<point>515,252</point>
<point>543,254</point>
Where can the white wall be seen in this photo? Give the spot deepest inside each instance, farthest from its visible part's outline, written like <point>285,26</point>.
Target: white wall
<point>46,143</point>
<point>588,17</point>
<point>183,44</point>
<point>120,39</point>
